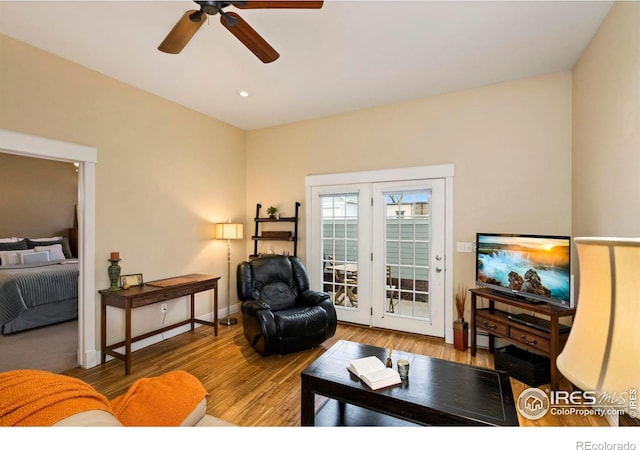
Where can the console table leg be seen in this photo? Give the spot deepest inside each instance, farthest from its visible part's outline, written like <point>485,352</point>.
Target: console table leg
<point>127,339</point>
<point>215,309</point>
<point>193,311</point>
<point>103,332</point>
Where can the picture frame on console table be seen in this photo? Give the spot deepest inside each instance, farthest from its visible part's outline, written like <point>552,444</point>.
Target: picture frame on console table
<point>131,280</point>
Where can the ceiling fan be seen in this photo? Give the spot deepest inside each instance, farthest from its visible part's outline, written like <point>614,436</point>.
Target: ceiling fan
<point>192,20</point>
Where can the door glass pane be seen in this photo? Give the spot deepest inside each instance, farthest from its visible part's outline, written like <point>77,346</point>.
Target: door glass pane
<point>407,253</point>
<point>340,248</point>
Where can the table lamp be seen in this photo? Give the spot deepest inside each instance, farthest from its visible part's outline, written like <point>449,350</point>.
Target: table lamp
<point>601,354</point>
<point>228,231</point>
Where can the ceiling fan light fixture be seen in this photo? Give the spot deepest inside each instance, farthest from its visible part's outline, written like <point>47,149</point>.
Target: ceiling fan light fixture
<point>211,7</point>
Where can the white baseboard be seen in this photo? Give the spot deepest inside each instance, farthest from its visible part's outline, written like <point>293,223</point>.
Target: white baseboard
<point>90,359</point>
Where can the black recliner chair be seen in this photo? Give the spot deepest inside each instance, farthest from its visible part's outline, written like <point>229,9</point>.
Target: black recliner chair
<point>280,314</point>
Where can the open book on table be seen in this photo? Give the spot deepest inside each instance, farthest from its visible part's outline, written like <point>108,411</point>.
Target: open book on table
<point>372,371</point>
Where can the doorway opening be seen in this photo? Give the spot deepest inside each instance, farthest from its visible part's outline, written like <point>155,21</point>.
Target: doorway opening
<point>86,157</point>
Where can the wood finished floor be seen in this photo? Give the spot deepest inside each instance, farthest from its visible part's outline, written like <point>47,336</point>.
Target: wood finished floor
<point>250,390</point>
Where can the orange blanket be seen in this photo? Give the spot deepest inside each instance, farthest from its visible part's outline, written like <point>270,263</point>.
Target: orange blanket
<point>40,398</point>
<point>165,400</point>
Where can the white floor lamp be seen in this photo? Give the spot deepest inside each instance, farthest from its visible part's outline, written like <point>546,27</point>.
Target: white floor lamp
<point>228,231</point>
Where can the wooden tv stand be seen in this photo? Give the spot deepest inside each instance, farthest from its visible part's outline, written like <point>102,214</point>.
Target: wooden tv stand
<point>497,324</point>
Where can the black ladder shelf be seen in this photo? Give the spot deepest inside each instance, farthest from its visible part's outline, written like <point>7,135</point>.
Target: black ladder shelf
<point>262,220</point>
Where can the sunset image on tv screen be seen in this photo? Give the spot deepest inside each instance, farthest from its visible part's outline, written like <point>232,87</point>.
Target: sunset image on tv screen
<point>530,265</point>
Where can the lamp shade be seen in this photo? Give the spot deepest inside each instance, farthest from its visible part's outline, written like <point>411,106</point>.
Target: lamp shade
<point>602,352</point>
<point>228,231</point>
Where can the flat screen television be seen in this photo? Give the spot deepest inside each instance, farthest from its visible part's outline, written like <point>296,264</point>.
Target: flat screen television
<point>531,268</point>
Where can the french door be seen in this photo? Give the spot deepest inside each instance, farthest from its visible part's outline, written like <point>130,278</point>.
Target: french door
<point>378,250</point>
<point>408,256</point>
<point>342,214</point>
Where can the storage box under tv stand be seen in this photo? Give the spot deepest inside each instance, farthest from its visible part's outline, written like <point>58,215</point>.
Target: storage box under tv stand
<point>496,323</point>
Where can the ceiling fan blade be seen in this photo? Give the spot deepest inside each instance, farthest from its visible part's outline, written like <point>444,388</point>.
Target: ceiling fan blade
<point>182,32</point>
<point>276,4</point>
<point>249,37</point>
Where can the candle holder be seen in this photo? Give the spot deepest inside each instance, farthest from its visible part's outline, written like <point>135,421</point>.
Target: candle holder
<point>114,274</point>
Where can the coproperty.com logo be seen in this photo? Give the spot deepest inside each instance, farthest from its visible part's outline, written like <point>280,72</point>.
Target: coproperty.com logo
<point>534,403</point>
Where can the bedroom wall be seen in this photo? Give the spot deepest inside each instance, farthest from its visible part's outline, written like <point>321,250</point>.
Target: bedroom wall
<point>164,173</point>
<point>606,128</point>
<point>510,144</point>
<point>40,194</point>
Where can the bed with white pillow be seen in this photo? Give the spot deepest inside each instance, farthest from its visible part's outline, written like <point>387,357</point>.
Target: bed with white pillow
<point>38,283</point>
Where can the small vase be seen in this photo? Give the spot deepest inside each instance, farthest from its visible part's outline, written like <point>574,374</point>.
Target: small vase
<point>460,335</point>
<point>114,274</point>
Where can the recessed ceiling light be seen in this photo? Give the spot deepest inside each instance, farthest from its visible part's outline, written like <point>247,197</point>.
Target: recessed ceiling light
<point>243,93</point>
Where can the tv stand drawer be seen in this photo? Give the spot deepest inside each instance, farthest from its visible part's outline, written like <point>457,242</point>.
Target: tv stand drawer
<point>529,339</point>
<point>488,322</point>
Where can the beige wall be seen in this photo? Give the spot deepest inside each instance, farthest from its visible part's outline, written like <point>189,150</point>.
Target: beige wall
<point>606,128</point>
<point>510,144</point>
<point>164,173</point>
<point>37,196</point>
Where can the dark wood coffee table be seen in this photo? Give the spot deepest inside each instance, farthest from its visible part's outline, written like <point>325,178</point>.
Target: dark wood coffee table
<point>437,392</point>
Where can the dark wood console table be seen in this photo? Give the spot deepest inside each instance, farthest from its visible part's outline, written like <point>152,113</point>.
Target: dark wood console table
<point>497,324</point>
<point>150,293</point>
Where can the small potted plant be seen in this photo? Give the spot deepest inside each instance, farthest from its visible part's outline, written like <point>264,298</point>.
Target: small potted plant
<point>272,210</point>
<point>460,327</point>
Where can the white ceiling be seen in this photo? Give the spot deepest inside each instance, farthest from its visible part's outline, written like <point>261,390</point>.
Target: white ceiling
<point>349,55</point>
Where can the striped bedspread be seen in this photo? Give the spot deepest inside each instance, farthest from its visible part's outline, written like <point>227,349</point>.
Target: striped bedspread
<point>23,287</point>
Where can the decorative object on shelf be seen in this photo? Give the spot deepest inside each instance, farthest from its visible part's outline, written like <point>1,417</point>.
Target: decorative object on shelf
<point>114,271</point>
<point>285,235</point>
<point>606,323</point>
<point>228,231</point>
<point>460,327</point>
<point>271,211</point>
<point>126,281</point>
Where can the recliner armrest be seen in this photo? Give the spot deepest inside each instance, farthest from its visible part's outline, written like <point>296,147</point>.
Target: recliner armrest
<point>311,297</point>
<point>250,307</point>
